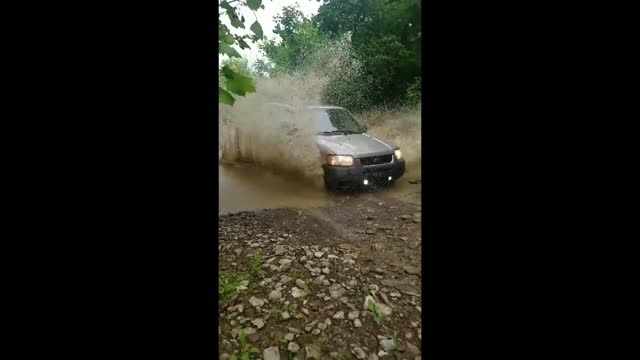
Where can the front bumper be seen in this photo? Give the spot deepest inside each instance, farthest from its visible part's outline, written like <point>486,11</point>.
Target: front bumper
<point>337,176</point>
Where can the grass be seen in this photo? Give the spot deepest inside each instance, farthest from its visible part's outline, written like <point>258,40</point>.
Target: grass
<point>227,284</point>
<point>306,288</point>
<point>296,273</point>
<point>255,264</point>
<point>245,350</point>
<point>276,313</point>
<point>374,309</point>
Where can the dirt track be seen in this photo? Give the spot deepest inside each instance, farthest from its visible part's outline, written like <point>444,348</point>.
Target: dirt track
<point>296,280</point>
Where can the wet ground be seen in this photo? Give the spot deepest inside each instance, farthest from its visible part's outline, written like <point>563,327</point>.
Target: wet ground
<point>245,187</point>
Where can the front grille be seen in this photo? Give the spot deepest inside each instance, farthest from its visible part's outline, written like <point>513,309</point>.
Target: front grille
<point>376,160</point>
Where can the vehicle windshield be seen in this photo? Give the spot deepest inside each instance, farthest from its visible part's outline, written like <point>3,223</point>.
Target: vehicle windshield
<point>335,121</point>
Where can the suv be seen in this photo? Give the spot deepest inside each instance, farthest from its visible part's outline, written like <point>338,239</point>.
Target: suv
<point>350,156</point>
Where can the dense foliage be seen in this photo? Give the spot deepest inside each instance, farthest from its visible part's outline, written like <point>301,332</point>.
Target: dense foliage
<point>384,39</point>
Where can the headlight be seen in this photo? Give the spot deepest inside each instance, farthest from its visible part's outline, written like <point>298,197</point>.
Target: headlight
<point>398,154</point>
<point>340,160</point>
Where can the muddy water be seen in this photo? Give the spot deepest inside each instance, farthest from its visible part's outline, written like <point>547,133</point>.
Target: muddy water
<point>245,187</point>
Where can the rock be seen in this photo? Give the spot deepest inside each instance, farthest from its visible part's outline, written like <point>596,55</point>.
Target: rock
<point>318,254</point>
<point>413,349</point>
<point>296,293</point>
<point>312,352</point>
<point>249,331</point>
<point>382,353</point>
<point>383,309</point>
<point>395,294</point>
<point>279,250</point>
<point>293,347</point>
<point>353,283</point>
<point>275,295</point>
<point>336,291</point>
<point>339,315</point>
<point>316,331</point>
<point>372,357</point>
<point>285,315</point>
<point>319,280</point>
<point>238,252</point>
<point>305,311</point>
<point>271,353</point>
<point>289,336</point>
<point>411,270</point>
<point>300,283</point>
<point>255,301</point>
<point>357,323</point>
<point>322,326</point>
<point>259,323</point>
<point>358,352</point>
<point>353,314</point>
<point>226,345</point>
<point>387,344</point>
<point>325,270</point>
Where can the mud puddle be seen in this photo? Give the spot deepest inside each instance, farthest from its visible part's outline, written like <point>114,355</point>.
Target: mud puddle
<point>245,187</point>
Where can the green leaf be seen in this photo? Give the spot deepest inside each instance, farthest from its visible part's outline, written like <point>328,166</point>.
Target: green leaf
<point>243,44</point>
<point>226,6</point>
<point>237,83</point>
<point>224,48</point>
<point>224,97</point>
<point>236,22</point>
<point>257,29</point>
<point>254,4</point>
<point>371,306</point>
<point>233,357</point>
<point>229,39</point>
<point>245,356</point>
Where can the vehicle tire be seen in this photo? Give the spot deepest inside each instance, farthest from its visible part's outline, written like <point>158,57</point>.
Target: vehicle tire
<point>329,186</point>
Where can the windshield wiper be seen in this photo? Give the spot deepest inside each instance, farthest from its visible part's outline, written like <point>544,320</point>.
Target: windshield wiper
<point>334,132</point>
<point>343,132</point>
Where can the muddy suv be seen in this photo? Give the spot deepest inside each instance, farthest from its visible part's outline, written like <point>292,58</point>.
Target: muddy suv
<point>350,156</point>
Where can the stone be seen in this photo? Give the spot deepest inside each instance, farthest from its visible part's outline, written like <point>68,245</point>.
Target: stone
<point>293,347</point>
<point>238,252</point>
<point>411,270</point>
<point>312,352</point>
<point>316,331</point>
<point>289,336</point>
<point>300,283</point>
<point>357,323</point>
<point>272,353</point>
<point>358,352</point>
<point>275,295</point>
<point>383,309</point>
<point>285,315</point>
<point>354,314</point>
<point>336,291</point>
<point>318,254</point>
<point>372,357</point>
<point>339,315</point>
<point>280,249</point>
<point>413,349</point>
<point>325,270</point>
<point>296,293</point>
<point>387,344</point>
<point>322,326</point>
<point>259,323</point>
<point>395,294</point>
<point>255,301</point>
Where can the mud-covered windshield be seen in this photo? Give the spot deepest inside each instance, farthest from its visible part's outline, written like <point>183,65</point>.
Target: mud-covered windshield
<point>335,121</point>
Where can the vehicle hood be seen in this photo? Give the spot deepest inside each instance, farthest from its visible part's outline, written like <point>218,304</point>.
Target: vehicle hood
<point>356,145</point>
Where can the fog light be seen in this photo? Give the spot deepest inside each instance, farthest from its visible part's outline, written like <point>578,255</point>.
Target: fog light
<point>389,178</point>
<point>366,182</point>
